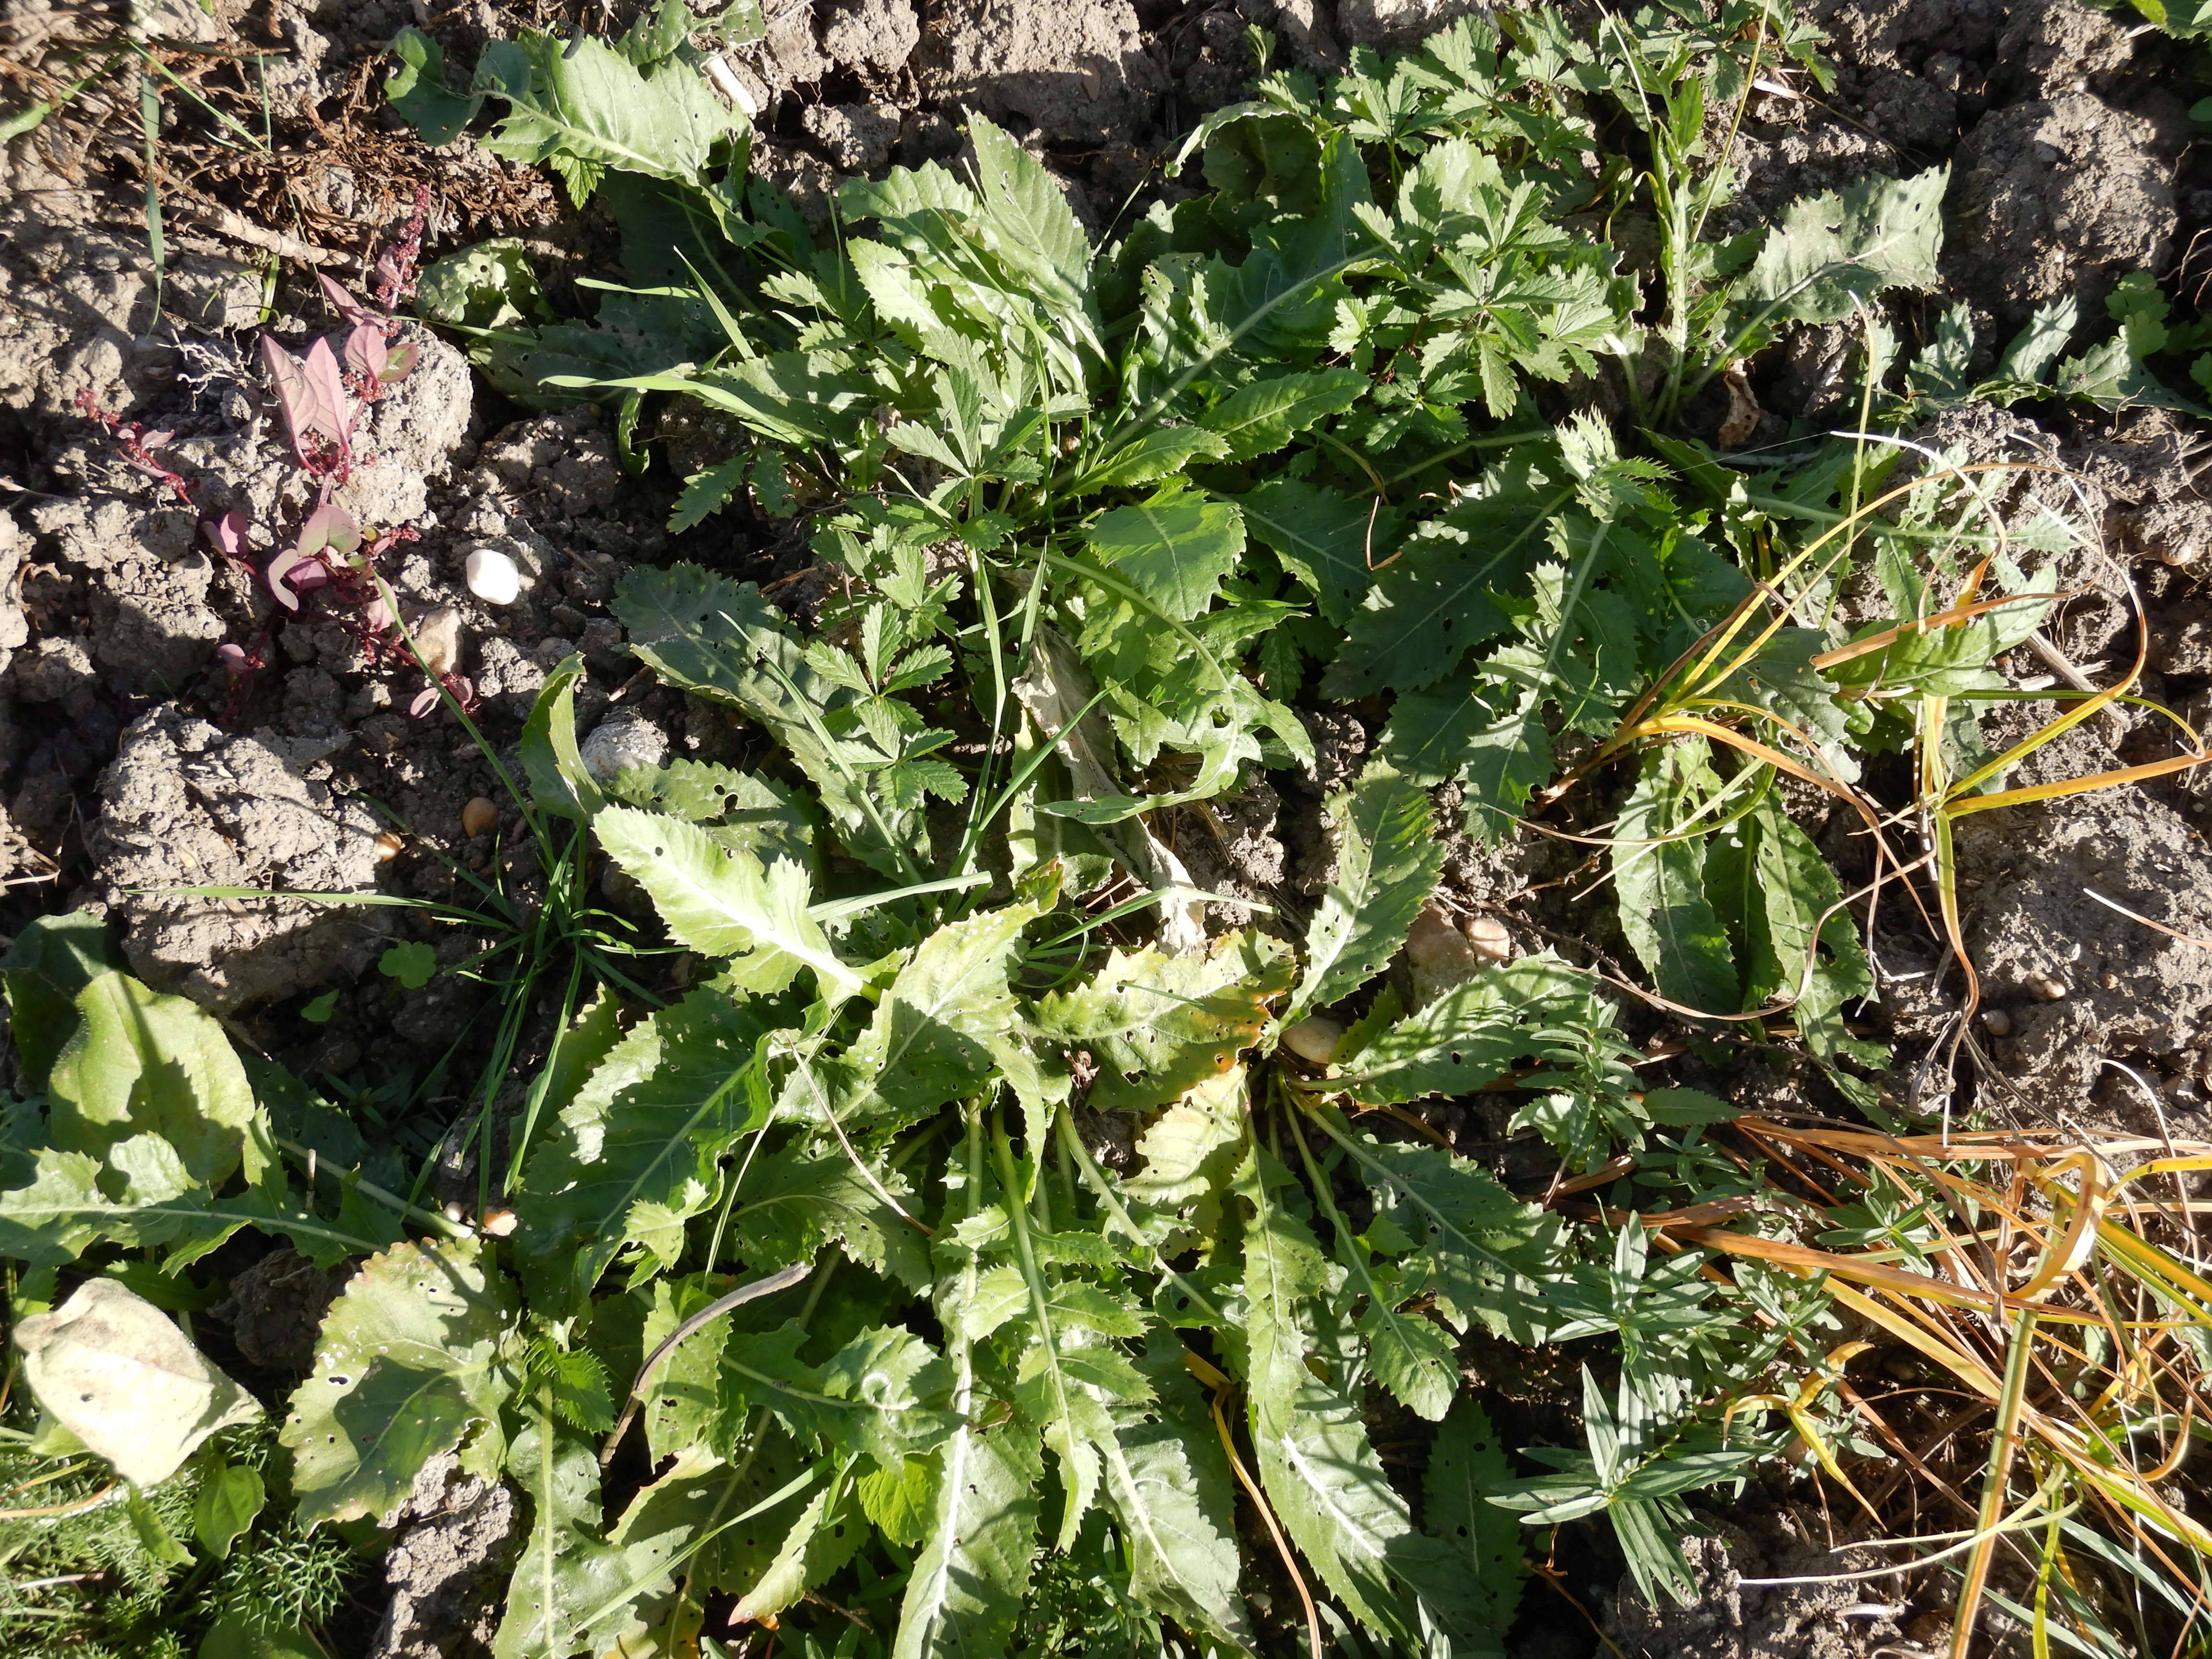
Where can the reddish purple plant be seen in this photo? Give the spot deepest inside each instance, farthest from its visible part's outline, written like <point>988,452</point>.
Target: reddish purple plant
<point>331,560</point>
<point>137,445</point>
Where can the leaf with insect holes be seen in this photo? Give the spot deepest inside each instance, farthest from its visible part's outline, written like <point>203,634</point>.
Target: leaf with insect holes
<point>796,1199</point>
<point>881,1396</point>
<point>411,1359</point>
<point>1387,858</point>
<point>965,1590</point>
<point>723,902</point>
<point>571,1591</point>
<point>637,1152</point>
<point>1158,1023</point>
<point>824,1536</point>
<point>1466,1466</point>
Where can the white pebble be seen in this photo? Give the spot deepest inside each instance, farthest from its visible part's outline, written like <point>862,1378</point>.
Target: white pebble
<point>493,577</point>
<point>1314,1039</point>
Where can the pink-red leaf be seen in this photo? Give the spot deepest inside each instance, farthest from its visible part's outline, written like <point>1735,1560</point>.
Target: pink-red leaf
<point>304,402</point>
<point>228,534</point>
<point>329,526</point>
<point>365,350</point>
<point>351,309</point>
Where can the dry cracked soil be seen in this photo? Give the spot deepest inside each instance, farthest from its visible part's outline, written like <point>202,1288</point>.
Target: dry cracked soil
<point>128,764</point>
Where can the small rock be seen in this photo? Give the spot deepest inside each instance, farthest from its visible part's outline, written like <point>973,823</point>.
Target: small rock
<point>1433,940</point>
<point>493,577</point>
<point>1490,938</point>
<point>1314,1039</point>
<point>438,640</point>
<point>1996,1021</point>
<point>623,739</point>
<point>2047,989</point>
<point>479,817</point>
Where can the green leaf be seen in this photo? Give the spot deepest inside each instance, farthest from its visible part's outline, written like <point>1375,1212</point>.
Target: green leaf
<point>940,1031</point>
<point>1466,1465</point>
<point>722,902</point>
<point>1158,1023</point>
<point>1329,541</point>
<point>708,492</point>
<point>1262,418</point>
<point>1175,551</point>
<point>637,1152</point>
<point>1659,871</point>
<point>49,963</point>
<point>801,1197</point>
<point>571,1591</point>
<point>559,781</point>
<point>1833,251</point>
<point>739,809</point>
<point>967,1584</point>
<point>1388,858</point>
<point>878,1395</point>
<point>584,104</point>
<point>1037,231</point>
<point>410,1360</point>
<point>230,1497</point>
<point>414,964</point>
<point>417,90</point>
<point>140,1063</point>
<point>1803,900</point>
<point>825,1535</point>
<point>1470,1036</point>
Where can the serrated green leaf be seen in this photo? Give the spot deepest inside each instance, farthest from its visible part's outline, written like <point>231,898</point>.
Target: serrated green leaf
<point>584,104</point>
<point>1158,1023</point>
<point>1175,552</point>
<point>966,1587</point>
<point>1262,418</point>
<point>880,1395</point>
<point>824,1537</point>
<point>1331,541</point>
<point>410,1360</point>
<point>637,1151</point>
<point>1466,1466</point>
<point>800,1197</point>
<point>1659,869</point>
<point>723,902</point>
<point>1470,1036</point>
<point>1388,858</point>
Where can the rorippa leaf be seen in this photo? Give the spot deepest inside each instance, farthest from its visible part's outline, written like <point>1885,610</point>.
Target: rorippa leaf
<point>801,1197</point>
<point>1157,1024</point>
<point>637,1151</point>
<point>1659,873</point>
<point>1387,858</point>
<point>738,809</point>
<point>412,1358</point>
<point>1472,1035</point>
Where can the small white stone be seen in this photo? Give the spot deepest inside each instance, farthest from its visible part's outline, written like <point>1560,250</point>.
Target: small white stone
<point>438,640</point>
<point>493,577</point>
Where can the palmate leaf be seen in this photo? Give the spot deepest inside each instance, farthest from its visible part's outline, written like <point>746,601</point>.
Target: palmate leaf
<point>723,902</point>
<point>636,1151</point>
<point>411,1357</point>
<point>1157,1024</point>
<point>1387,858</point>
